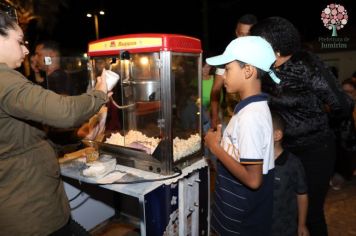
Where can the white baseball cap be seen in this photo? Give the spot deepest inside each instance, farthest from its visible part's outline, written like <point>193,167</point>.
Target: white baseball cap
<point>253,50</point>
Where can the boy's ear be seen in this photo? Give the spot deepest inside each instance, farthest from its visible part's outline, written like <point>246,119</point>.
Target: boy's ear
<point>248,70</point>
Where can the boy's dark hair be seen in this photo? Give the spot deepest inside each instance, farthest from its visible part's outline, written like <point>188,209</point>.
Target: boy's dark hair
<point>247,19</point>
<point>280,33</point>
<point>6,23</point>
<point>278,121</point>
<point>260,73</point>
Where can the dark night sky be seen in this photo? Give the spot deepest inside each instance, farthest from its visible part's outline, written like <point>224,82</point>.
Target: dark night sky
<point>74,30</point>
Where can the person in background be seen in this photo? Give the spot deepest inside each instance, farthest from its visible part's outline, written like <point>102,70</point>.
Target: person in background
<point>35,73</point>
<point>32,196</point>
<point>48,57</point>
<point>243,26</point>
<point>245,169</point>
<point>207,84</point>
<point>353,77</point>
<point>307,86</point>
<point>349,87</point>
<point>345,141</point>
<point>189,119</point>
<point>290,204</point>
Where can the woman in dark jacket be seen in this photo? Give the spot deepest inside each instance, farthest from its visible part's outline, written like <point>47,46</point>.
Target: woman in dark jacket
<point>306,96</point>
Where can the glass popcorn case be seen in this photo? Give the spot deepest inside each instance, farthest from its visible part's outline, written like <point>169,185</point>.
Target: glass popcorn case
<point>154,116</point>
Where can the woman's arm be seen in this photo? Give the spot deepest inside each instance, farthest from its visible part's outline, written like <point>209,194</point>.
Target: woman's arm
<point>23,100</point>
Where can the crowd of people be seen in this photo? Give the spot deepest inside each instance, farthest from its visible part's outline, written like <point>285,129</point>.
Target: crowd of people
<point>291,121</point>
<point>304,92</point>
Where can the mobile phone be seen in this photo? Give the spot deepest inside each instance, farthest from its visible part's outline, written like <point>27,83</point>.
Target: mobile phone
<point>47,61</point>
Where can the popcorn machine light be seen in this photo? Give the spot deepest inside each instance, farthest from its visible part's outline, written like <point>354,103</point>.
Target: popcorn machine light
<point>157,99</point>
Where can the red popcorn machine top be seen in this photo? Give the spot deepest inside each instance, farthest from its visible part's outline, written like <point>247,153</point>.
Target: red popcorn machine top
<point>154,121</point>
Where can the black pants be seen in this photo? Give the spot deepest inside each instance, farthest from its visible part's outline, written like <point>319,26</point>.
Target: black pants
<point>344,162</point>
<point>318,162</point>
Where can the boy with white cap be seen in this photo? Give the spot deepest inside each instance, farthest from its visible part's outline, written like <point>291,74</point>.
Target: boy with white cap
<point>244,183</point>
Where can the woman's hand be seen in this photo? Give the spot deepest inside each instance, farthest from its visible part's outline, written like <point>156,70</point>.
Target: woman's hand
<point>95,128</point>
<point>101,83</point>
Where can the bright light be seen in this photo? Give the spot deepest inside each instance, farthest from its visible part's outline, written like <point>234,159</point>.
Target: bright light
<point>144,61</point>
<point>100,13</point>
<point>96,21</point>
<point>85,55</point>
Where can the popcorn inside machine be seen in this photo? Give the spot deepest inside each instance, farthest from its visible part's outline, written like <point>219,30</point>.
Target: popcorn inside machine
<point>154,116</point>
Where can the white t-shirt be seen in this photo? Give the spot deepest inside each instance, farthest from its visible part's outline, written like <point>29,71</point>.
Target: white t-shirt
<point>248,138</point>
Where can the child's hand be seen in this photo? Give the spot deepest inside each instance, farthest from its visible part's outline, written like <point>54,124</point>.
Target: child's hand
<point>212,139</point>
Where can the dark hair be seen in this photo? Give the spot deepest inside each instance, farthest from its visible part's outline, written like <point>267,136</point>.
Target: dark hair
<point>278,121</point>
<point>349,81</point>
<point>6,23</point>
<point>280,33</point>
<point>260,73</point>
<point>247,19</point>
<point>51,45</point>
<point>354,74</point>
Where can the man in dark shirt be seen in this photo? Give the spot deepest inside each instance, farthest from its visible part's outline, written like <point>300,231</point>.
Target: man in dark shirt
<point>58,82</point>
<point>47,55</point>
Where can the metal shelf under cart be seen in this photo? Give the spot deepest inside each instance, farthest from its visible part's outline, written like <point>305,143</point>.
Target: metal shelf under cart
<point>178,206</point>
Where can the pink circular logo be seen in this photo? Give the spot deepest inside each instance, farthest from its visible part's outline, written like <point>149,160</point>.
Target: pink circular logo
<point>334,17</point>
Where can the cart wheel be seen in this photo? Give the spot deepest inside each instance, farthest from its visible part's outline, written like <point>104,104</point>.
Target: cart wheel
<point>77,229</point>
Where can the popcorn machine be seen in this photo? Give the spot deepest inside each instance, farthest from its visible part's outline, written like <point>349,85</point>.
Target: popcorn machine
<point>154,119</point>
